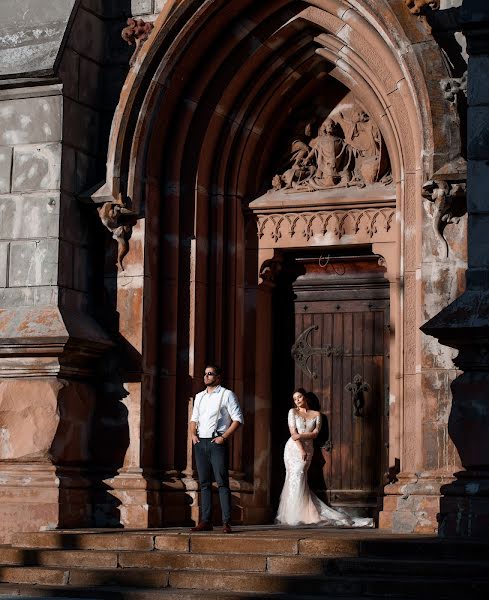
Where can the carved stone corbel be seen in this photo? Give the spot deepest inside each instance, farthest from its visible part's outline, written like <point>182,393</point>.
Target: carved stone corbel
<point>119,220</point>
<point>450,202</point>
<point>417,6</point>
<point>271,268</point>
<point>136,33</point>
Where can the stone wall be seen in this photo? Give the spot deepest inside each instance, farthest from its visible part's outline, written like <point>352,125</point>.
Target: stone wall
<point>57,98</point>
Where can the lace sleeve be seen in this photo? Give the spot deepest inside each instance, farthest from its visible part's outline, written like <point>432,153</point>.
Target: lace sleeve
<point>319,422</point>
<point>291,419</point>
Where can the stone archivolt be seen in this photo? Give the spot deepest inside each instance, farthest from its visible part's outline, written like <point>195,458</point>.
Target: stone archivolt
<point>348,150</point>
<point>360,223</point>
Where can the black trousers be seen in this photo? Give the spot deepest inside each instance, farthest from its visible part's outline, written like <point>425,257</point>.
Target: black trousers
<point>213,458</point>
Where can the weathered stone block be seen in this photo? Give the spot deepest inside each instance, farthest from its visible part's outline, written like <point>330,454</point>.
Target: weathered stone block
<point>87,36</point>
<point>81,126</point>
<point>33,263</point>
<point>36,168</point>
<point>69,73</point>
<point>65,277</point>
<point>75,219</point>
<point>72,443</point>
<point>159,4</point>
<point>30,120</point>
<point>28,418</point>
<point>28,296</point>
<point>3,263</point>
<point>5,169</point>
<point>31,35</point>
<point>141,7</point>
<point>80,268</point>
<point>29,216</point>
<point>89,82</point>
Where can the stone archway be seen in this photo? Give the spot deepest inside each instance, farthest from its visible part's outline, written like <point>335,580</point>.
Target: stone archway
<point>190,147</point>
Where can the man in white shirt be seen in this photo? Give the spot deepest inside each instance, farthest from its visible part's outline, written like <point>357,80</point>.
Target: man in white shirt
<point>215,417</point>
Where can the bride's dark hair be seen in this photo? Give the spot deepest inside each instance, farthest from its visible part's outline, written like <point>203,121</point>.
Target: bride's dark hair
<point>302,391</point>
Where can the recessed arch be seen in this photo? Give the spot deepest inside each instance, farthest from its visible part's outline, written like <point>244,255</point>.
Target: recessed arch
<point>198,121</point>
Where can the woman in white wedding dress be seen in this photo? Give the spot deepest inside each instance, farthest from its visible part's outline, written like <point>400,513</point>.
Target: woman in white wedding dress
<point>298,505</point>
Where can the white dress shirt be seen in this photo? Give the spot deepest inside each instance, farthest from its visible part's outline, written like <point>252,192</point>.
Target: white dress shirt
<point>205,411</point>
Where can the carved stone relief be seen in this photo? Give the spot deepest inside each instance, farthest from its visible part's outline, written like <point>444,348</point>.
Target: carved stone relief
<point>450,201</point>
<point>365,223</point>
<point>453,86</point>
<point>416,6</point>
<point>347,151</point>
<point>136,33</point>
<point>119,220</point>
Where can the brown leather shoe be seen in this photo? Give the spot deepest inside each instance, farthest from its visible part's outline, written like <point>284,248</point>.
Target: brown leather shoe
<point>226,528</point>
<point>202,526</point>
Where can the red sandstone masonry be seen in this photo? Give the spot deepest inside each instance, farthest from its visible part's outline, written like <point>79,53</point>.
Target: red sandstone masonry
<point>164,560</point>
<point>33,575</point>
<point>240,545</point>
<point>329,547</point>
<point>295,564</point>
<point>173,543</point>
<point>86,541</point>
<point>130,577</point>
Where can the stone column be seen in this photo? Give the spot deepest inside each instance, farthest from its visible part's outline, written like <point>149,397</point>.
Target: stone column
<point>464,324</point>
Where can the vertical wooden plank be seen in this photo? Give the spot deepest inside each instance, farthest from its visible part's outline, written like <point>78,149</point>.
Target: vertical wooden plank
<point>327,396</point>
<point>356,423</point>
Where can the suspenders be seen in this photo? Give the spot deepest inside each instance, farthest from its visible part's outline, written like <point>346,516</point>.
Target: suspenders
<point>214,429</point>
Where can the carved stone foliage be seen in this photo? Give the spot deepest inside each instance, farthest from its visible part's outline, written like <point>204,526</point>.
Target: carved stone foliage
<point>450,201</point>
<point>119,220</point>
<point>417,6</point>
<point>361,223</point>
<point>347,150</point>
<point>136,33</point>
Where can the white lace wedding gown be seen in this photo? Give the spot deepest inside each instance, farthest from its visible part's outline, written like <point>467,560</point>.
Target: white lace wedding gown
<point>298,505</point>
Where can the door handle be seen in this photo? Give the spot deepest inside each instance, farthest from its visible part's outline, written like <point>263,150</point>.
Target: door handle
<point>357,387</point>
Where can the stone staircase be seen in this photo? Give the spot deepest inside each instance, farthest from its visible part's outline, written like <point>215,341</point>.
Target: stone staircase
<point>254,562</point>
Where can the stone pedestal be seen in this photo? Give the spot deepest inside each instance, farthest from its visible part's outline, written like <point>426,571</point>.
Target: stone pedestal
<point>46,418</point>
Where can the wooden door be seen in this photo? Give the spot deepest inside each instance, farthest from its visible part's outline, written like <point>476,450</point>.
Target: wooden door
<point>340,354</point>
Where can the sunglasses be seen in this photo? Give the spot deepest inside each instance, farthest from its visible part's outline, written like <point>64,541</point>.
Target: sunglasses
<point>210,374</point>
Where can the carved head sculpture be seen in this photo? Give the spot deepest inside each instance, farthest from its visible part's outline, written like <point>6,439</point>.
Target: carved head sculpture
<point>328,127</point>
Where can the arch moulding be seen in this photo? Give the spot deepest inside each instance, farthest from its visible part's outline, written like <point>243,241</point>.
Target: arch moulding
<point>190,149</point>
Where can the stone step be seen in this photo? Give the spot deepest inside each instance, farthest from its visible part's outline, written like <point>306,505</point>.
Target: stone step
<point>23,592</point>
<point>52,592</point>
<point>201,543</point>
<point>431,548</point>
<point>248,582</point>
<point>418,567</point>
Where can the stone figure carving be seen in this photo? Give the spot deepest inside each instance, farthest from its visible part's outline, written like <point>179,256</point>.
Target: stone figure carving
<point>136,33</point>
<point>119,220</point>
<point>363,136</point>
<point>453,86</point>
<point>450,202</point>
<point>417,6</point>
<point>346,151</point>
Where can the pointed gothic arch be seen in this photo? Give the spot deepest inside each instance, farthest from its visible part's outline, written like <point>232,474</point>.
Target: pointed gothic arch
<point>191,146</point>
